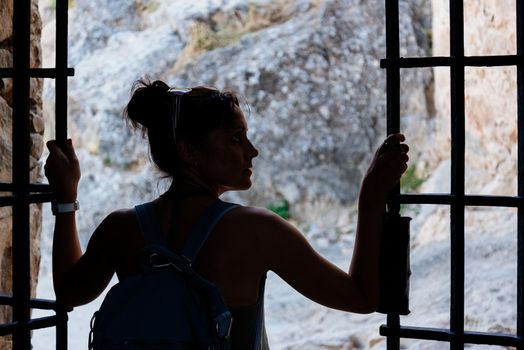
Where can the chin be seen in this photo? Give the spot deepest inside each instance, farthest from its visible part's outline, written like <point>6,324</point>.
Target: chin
<point>241,186</point>
<point>245,186</point>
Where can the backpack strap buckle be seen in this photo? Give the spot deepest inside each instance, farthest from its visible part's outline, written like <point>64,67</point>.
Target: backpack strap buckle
<point>223,325</point>
<point>156,260</point>
<point>189,262</point>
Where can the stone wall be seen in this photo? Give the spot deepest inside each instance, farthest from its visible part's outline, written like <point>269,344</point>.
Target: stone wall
<point>37,144</point>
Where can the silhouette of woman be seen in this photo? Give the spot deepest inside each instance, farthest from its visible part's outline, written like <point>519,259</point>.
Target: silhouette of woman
<point>198,137</point>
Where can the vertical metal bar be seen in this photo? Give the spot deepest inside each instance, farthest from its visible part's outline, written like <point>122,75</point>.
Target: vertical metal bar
<point>520,162</point>
<point>393,125</point>
<point>61,124</point>
<point>61,330</point>
<point>457,172</point>
<point>61,72</point>
<point>20,166</point>
<point>393,72</point>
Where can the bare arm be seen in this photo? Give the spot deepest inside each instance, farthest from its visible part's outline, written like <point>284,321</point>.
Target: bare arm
<point>292,258</point>
<point>388,165</point>
<point>77,278</point>
<point>364,267</point>
<point>66,252</point>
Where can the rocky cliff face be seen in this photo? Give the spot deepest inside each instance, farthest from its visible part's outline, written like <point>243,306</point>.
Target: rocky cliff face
<point>36,137</point>
<point>491,169</point>
<point>491,96</point>
<point>309,71</point>
<point>317,101</point>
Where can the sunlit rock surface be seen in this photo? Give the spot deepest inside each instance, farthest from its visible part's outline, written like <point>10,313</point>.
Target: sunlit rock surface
<point>309,71</point>
<point>490,96</point>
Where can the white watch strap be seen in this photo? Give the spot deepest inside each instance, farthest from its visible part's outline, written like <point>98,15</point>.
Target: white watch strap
<point>59,208</point>
<point>66,207</point>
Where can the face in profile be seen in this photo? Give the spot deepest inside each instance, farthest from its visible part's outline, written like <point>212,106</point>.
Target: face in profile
<point>226,159</point>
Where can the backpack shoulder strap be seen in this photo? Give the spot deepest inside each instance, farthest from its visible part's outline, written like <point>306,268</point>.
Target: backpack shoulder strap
<point>204,226</point>
<point>149,224</point>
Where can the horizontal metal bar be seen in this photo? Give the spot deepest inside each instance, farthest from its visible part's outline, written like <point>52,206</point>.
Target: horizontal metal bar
<point>468,200</point>
<point>493,201</point>
<point>8,328</point>
<point>39,193</point>
<point>40,188</point>
<point>7,201</point>
<point>32,199</point>
<point>43,322</point>
<point>426,198</point>
<point>415,62</point>
<point>41,197</point>
<point>37,323</point>
<point>447,336</point>
<point>411,198</point>
<point>418,333</point>
<point>6,300</point>
<point>471,61</point>
<point>38,72</point>
<point>37,187</point>
<point>43,304</point>
<point>36,303</point>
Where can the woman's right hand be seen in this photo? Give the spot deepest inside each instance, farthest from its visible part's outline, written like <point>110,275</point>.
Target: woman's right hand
<point>63,171</point>
<point>388,164</point>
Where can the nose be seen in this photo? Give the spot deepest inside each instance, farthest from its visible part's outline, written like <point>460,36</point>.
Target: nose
<point>253,152</point>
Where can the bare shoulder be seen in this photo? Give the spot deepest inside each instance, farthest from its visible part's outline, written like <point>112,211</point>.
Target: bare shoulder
<point>250,212</point>
<point>121,215</point>
<point>255,217</point>
<point>115,223</point>
<point>263,225</point>
<point>119,218</point>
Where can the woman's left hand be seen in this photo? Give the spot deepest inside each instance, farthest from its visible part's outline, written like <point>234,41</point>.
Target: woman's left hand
<point>389,163</point>
<point>63,171</point>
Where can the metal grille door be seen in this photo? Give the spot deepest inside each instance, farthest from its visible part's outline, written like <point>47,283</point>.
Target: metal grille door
<point>457,200</point>
<point>24,193</point>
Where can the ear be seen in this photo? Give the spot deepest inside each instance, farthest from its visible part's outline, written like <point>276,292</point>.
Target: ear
<point>186,152</point>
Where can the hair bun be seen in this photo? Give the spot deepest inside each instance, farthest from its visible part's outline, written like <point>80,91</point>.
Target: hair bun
<point>147,104</point>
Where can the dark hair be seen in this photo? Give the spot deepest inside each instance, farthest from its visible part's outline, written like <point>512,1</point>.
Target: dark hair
<point>202,110</point>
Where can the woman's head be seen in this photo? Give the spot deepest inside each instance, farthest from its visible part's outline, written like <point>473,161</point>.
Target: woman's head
<point>203,114</point>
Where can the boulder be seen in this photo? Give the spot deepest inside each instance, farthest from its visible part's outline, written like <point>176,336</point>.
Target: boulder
<point>308,73</point>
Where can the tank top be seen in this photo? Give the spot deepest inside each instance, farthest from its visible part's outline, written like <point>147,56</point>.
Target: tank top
<point>249,331</point>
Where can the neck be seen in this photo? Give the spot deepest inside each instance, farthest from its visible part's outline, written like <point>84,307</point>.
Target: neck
<point>186,187</point>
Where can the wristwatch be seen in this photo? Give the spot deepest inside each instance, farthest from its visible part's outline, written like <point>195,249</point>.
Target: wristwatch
<point>59,208</point>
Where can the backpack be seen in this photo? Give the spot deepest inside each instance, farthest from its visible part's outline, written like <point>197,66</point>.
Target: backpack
<point>168,306</point>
